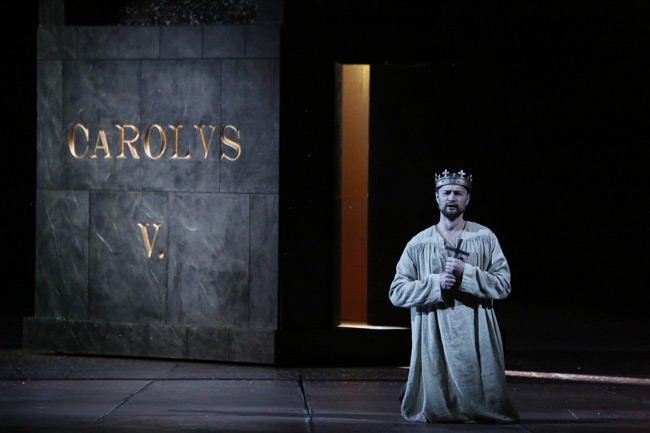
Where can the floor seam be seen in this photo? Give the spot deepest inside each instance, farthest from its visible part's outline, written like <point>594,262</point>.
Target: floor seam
<point>305,401</point>
<point>126,400</point>
<point>138,391</point>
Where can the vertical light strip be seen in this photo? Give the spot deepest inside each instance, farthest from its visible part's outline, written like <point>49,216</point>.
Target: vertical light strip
<point>354,192</point>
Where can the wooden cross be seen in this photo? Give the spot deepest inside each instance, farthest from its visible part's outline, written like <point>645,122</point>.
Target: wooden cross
<point>457,251</point>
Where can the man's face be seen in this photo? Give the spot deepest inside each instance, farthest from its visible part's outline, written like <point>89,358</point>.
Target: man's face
<point>452,200</point>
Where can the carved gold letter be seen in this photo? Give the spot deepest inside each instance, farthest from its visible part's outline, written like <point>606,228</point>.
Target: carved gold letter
<point>175,129</point>
<point>233,144</point>
<point>206,147</point>
<point>71,140</point>
<point>163,141</point>
<point>145,235</point>
<point>101,137</point>
<point>134,151</point>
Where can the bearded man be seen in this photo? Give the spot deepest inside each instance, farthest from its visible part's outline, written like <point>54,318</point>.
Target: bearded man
<point>449,275</point>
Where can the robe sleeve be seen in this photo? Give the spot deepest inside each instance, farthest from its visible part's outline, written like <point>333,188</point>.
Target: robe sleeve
<point>494,281</point>
<point>408,291</point>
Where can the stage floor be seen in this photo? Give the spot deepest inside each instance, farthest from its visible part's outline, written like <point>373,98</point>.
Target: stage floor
<point>56,393</point>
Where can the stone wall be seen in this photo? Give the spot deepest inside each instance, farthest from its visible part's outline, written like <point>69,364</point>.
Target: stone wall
<point>157,191</point>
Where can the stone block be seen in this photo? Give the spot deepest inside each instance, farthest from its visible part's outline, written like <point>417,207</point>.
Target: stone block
<point>264,261</point>
<point>150,340</point>
<point>208,343</point>
<point>181,176</point>
<point>181,92</point>
<point>61,273</point>
<point>125,283</point>
<point>56,43</point>
<point>223,42</point>
<point>208,262</point>
<point>50,151</point>
<point>184,93</point>
<point>157,340</point>
<point>97,42</point>
<point>55,336</point>
<point>100,94</point>
<point>257,169</point>
<point>251,345</point>
<point>180,42</point>
<point>252,92</point>
<point>139,43</point>
<point>106,338</point>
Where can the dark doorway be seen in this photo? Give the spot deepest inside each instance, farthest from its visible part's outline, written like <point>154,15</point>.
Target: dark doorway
<point>406,120</point>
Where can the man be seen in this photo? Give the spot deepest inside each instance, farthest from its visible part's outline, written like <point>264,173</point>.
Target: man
<point>457,370</point>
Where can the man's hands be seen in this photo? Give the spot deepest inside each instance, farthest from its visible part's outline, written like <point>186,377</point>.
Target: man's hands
<point>447,281</point>
<point>454,269</point>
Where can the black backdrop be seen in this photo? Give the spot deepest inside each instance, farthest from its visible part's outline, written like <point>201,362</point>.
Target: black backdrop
<point>556,147</point>
<point>545,103</point>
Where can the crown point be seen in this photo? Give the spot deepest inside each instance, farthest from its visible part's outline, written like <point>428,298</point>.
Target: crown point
<point>459,178</point>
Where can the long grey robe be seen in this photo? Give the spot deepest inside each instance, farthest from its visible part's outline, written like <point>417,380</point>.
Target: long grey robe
<point>457,371</point>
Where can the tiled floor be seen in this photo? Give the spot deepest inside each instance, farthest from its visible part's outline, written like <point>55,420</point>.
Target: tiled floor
<point>48,393</point>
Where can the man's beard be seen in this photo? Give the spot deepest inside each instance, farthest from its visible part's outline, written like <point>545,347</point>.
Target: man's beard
<point>453,212</point>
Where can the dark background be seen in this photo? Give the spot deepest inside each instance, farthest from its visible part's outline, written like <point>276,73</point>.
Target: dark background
<point>545,103</point>
<point>19,174</point>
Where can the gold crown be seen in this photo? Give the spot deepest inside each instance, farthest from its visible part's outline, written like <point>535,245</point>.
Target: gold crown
<point>460,178</point>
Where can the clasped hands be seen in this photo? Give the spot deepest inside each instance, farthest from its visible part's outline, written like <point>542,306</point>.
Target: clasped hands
<point>454,269</point>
